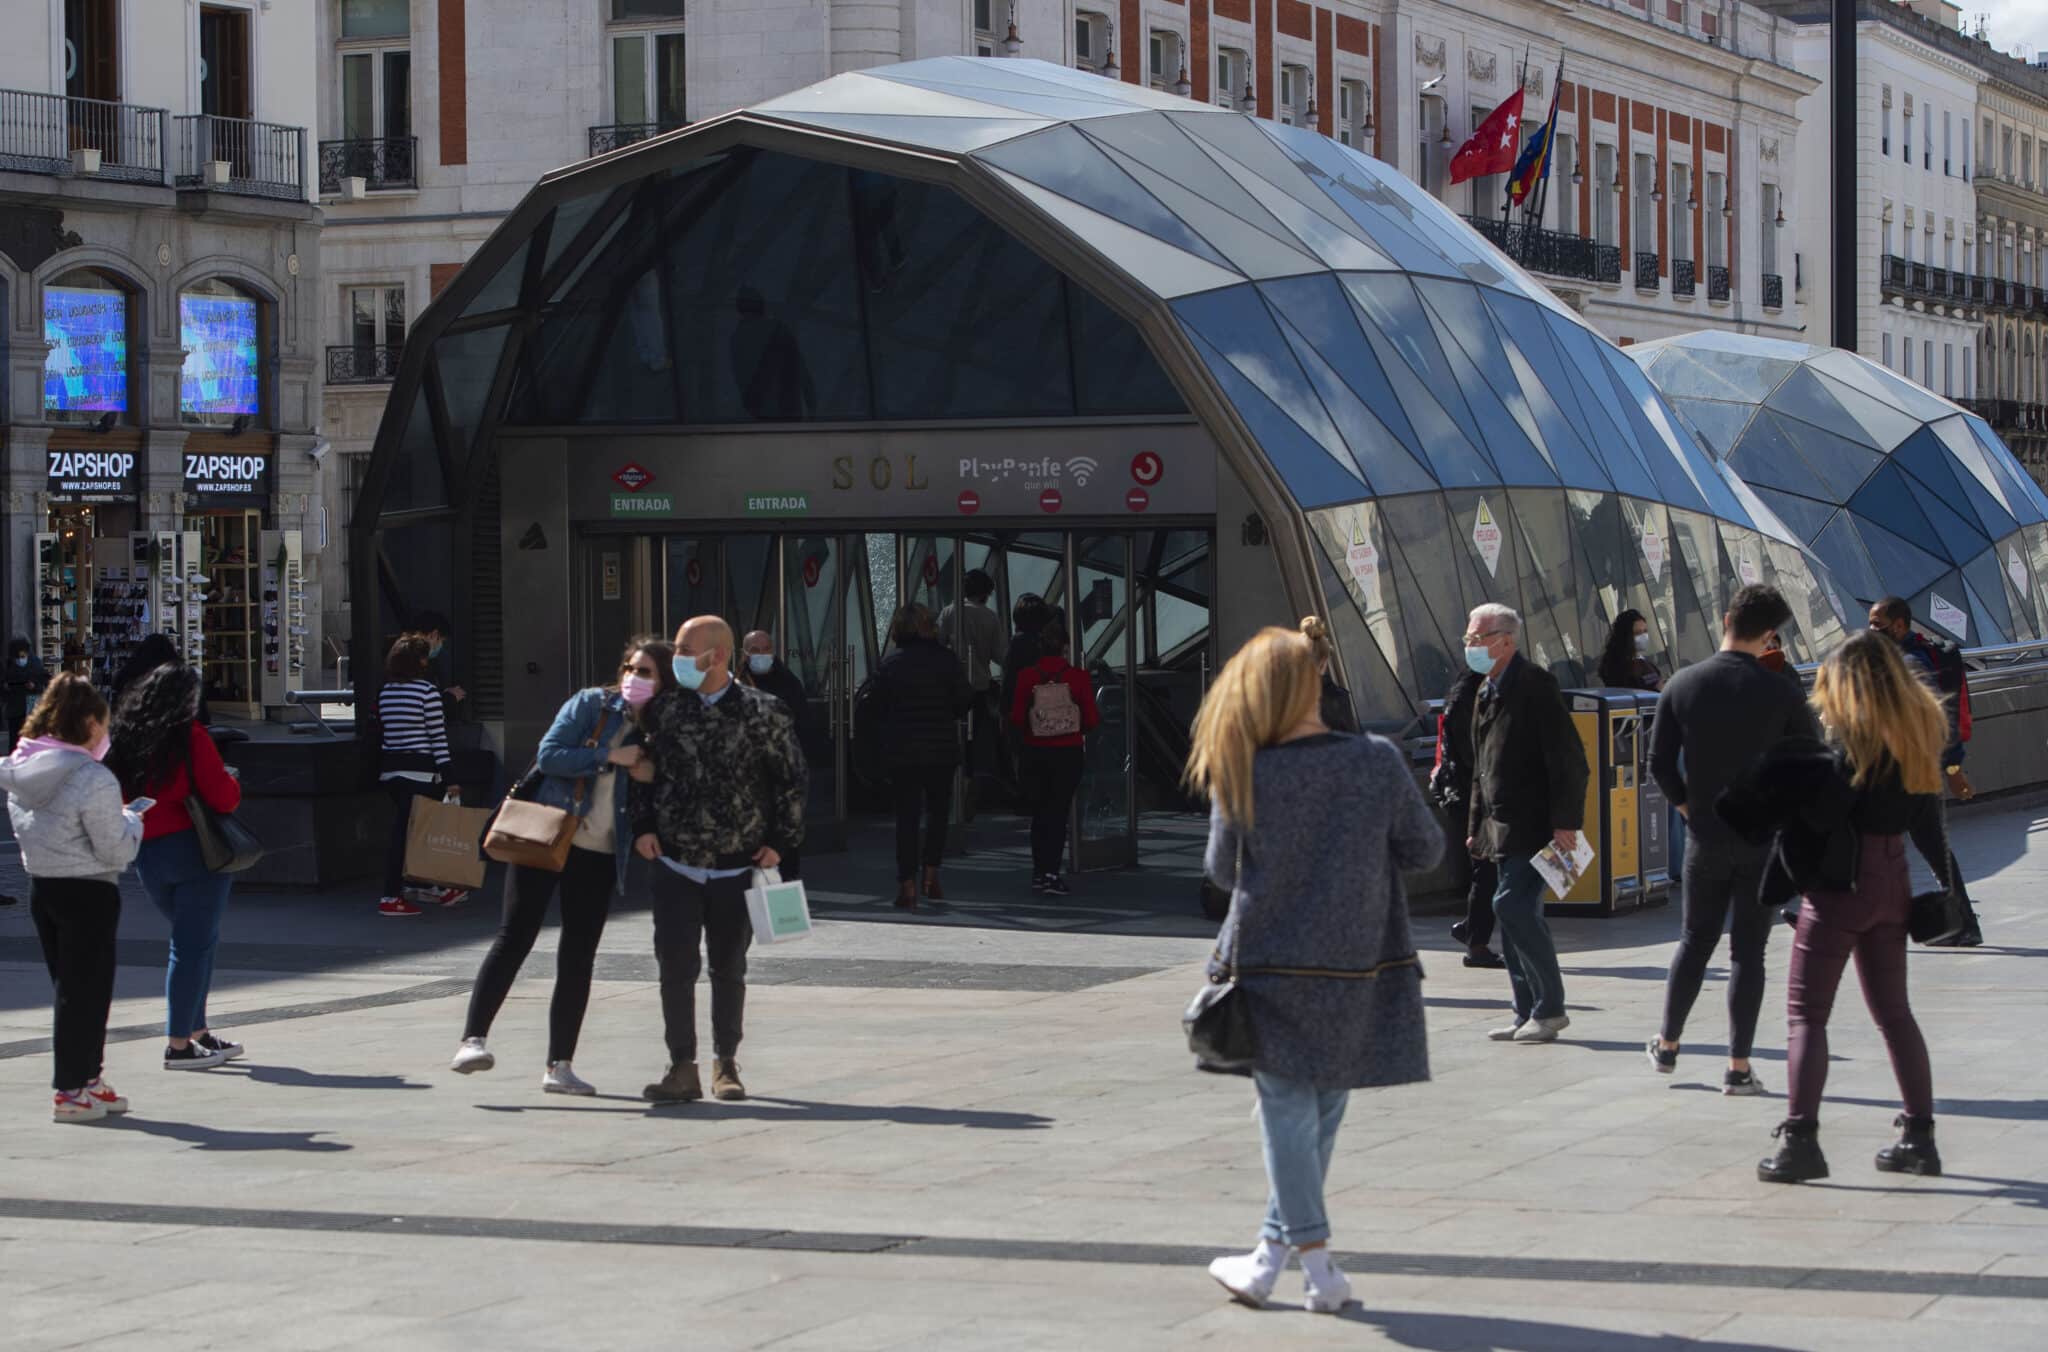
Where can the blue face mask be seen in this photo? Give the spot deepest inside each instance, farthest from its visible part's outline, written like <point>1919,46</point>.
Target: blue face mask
<point>1479,660</point>
<point>760,663</point>
<point>435,651</point>
<point>688,674</point>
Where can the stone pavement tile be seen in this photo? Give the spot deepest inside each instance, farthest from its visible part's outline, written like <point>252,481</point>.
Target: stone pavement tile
<point>1492,1293</point>
<point>1975,1310</point>
<point>1387,1319</point>
<point>1795,1333</point>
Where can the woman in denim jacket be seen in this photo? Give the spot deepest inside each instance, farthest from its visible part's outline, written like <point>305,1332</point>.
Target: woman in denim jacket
<point>592,743</point>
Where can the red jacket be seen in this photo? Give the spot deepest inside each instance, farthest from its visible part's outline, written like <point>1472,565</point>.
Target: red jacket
<point>1054,669</point>
<point>217,788</point>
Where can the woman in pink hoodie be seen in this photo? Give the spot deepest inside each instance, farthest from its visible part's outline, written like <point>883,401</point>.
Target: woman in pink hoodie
<point>75,837</point>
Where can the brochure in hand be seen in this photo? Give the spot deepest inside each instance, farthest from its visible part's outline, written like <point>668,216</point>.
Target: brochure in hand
<point>1562,870</point>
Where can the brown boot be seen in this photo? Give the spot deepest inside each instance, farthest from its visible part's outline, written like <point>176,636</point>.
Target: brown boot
<point>725,1080</point>
<point>931,883</point>
<point>906,894</point>
<point>680,1085</point>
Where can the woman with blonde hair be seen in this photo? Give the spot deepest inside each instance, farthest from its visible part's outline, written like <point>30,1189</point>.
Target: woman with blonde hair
<point>1840,812</point>
<point>1335,702</point>
<point>1310,831</point>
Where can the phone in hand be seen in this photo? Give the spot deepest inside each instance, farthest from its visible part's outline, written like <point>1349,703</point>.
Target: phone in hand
<point>141,805</point>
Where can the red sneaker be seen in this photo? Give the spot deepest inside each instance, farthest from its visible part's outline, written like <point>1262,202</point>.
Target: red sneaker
<point>396,906</point>
<point>102,1093</point>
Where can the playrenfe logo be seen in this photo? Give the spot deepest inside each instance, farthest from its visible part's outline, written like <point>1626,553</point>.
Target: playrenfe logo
<point>98,466</point>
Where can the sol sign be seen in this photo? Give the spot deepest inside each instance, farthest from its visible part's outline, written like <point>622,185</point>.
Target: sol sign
<point>91,476</point>
<point>228,478</point>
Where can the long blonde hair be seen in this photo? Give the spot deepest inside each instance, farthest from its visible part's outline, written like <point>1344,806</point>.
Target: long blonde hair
<point>1880,715</point>
<point>1268,687</point>
<point>1318,634</point>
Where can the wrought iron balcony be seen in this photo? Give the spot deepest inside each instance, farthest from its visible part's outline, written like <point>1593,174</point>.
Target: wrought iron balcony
<point>1684,277</point>
<point>39,132</point>
<point>2009,415</point>
<point>262,159</point>
<point>362,364</point>
<point>386,162</point>
<point>1774,291</point>
<point>604,140</point>
<point>1553,252</point>
<point>1717,282</point>
<point>1646,271</point>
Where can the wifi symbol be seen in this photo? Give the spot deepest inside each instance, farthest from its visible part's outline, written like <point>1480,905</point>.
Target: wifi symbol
<point>1083,469</point>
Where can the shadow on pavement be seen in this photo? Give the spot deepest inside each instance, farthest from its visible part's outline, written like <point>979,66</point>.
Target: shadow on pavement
<point>800,1110</point>
<point>2005,1110</point>
<point>2024,1191</point>
<point>294,1078</point>
<point>201,1137</point>
<point>1481,1333</point>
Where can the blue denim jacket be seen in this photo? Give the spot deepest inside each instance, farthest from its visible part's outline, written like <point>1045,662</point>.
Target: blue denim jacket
<point>564,758</point>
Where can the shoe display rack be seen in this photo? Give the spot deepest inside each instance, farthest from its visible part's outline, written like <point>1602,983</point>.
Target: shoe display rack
<point>124,604</point>
<point>179,592</point>
<point>57,601</point>
<point>283,615</point>
<point>229,545</point>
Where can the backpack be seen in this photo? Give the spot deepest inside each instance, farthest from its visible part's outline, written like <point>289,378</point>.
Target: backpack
<point>1053,711</point>
<point>1951,679</point>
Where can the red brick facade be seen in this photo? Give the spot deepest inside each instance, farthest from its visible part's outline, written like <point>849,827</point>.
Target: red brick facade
<point>1264,72</point>
<point>1327,96</point>
<point>454,44</point>
<point>1296,20</point>
<point>1200,70</point>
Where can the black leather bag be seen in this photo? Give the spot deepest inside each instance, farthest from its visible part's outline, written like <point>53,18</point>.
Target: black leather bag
<point>1219,1028</point>
<point>1936,915</point>
<point>225,845</point>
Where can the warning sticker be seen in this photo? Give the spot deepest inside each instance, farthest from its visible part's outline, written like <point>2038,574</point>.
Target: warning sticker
<point>1948,615</point>
<point>1486,538</point>
<point>2016,569</point>
<point>1364,562</point>
<point>1746,569</point>
<point>1653,551</point>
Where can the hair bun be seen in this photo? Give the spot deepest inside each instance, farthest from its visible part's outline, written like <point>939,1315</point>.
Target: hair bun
<point>1312,626</point>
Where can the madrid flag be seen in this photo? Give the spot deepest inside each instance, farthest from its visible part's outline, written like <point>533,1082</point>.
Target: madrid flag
<point>1493,147</point>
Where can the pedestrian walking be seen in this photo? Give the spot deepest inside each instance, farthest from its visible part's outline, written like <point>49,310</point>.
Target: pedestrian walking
<point>1030,614</point>
<point>764,670</point>
<point>975,632</point>
<point>1450,783</point>
<point>1528,791</point>
<point>154,651</point>
<point>1840,811</point>
<point>416,763</point>
<point>581,768</point>
<point>1310,830</point>
<point>1625,658</point>
<point>922,694</point>
<point>21,682</point>
<point>726,797</point>
<point>75,839</point>
<point>1720,716</point>
<point>1054,711</point>
<point>1339,715</point>
<point>162,752</point>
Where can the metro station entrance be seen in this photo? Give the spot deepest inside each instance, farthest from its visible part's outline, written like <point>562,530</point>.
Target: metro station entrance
<point>1138,605</point>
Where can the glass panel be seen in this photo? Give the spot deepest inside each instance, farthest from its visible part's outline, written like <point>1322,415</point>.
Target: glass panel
<point>358,96</point>
<point>629,79</point>
<point>1237,322</point>
<point>1389,303</point>
<point>363,310</point>
<point>1382,704</point>
<point>1448,579</point>
<point>416,477</point>
<point>1067,163</point>
<point>1902,566</point>
<point>1249,248</point>
<point>1045,102</point>
<point>1114,371</point>
<point>1388,465</point>
<point>1883,426</point>
<point>569,219</point>
<point>502,291</point>
<point>1102,624</point>
<point>626,10</point>
<point>1462,320</point>
<point>634,381</point>
<point>812,647</point>
<point>1544,387</point>
<point>1927,461</point>
<point>2020,492</point>
<point>397,94</point>
<point>1900,504</point>
<point>1805,516</point>
<point>1164,270</point>
<point>1151,139</point>
<point>86,329</point>
<point>1715,425</point>
<point>1609,435</point>
<point>468,361</point>
<point>1803,396</point>
<point>1505,439</point>
<point>1842,464</point>
<point>1986,579</point>
<point>961,134</point>
<point>669,103</point>
<point>1316,309</point>
<point>1311,474</point>
<point>376,18</point>
<point>1551,580</point>
<point>695,585</point>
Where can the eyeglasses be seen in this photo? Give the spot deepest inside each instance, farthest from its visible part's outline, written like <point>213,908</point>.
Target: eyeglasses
<point>1489,634</point>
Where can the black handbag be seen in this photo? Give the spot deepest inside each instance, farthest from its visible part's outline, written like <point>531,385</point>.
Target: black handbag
<point>225,845</point>
<point>1219,1028</point>
<point>1936,915</point>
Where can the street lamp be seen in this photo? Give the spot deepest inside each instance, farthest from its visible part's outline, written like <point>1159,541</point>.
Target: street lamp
<point>1012,44</point>
<point>1109,69</point>
<point>1182,86</point>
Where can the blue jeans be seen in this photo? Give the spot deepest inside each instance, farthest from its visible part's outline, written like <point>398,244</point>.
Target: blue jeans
<point>1298,1125</point>
<point>192,899</point>
<point>1526,943</point>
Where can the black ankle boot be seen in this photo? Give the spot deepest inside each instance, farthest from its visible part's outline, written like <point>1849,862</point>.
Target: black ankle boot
<point>1799,1159</point>
<point>1915,1152</point>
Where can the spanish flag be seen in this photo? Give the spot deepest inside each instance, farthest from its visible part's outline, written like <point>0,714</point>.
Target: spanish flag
<point>1534,166</point>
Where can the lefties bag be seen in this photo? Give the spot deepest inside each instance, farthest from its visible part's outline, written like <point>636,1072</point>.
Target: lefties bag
<point>441,843</point>
<point>225,845</point>
<point>1053,712</point>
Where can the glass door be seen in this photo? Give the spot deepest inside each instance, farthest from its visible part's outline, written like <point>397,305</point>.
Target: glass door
<point>1099,622</point>
<point>814,646</point>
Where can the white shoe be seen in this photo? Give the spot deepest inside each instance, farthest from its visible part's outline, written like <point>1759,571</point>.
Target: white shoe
<point>1249,1277</point>
<point>1325,1288</point>
<point>1505,1033</point>
<point>1543,1030</point>
<point>472,1056</point>
<point>560,1079</point>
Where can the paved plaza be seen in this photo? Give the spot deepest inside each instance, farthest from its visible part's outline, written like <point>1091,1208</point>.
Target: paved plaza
<point>980,1130</point>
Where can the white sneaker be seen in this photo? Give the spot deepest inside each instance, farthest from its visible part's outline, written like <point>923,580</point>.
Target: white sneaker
<point>560,1079</point>
<point>75,1106</point>
<point>1506,1032</point>
<point>1325,1288</point>
<point>1543,1030</point>
<point>1249,1277</point>
<point>472,1056</point>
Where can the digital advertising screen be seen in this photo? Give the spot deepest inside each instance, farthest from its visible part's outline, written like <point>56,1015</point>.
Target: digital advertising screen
<point>87,332</point>
<point>219,337</point>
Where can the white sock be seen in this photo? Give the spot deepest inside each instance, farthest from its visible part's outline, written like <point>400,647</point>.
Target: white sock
<point>1317,1265</point>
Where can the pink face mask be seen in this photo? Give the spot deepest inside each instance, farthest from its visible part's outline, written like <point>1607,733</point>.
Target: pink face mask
<point>638,689</point>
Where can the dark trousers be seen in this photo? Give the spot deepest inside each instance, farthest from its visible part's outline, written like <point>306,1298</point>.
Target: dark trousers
<point>1479,902</point>
<point>401,792</point>
<point>927,789</point>
<point>712,913</point>
<point>586,884</point>
<point>1052,776</point>
<point>1525,941</point>
<point>76,919</point>
<point>1869,924</point>
<point>1722,880</point>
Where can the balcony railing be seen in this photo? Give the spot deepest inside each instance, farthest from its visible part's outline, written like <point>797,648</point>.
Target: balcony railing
<point>1924,281</point>
<point>1774,291</point>
<point>38,132</point>
<point>604,140</point>
<point>1646,271</point>
<point>362,364</point>
<point>1684,277</point>
<point>263,159</point>
<point>1717,282</point>
<point>1554,252</point>
<point>386,162</point>
<point>2009,415</point>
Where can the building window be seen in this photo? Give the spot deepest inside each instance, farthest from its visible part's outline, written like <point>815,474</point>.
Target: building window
<point>1907,370</point>
<point>1563,164</point>
<point>376,319</point>
<point>376,72</point>
<point>1884,231</point>
<point>1771,208</point>
<point>1351,112</point>
<point>1294,95</point>
<point>649,88</point>
<point>1926,141</point>
<point>92,49</point>
<point>1887,350</point>
<point>1091,39</point>
<point>1681,214</point>
<point>1946,133</point>
<point>2005,151</point>
<point>1232,67</point>
<point>1927,362</point>
<point>85,325</point>
<point>1948,369</point>
<point>1645,209</point>
<point>2027,160</point>
<point>984,21</point>
<point>1604,203</point>
<point>1884,125</point>
<point>1968,391</point>
<point>219,326</point>
<point>362,19</point>
<point>224,83</point>
<point>1434,161</point>
<point>1717,221</point>
<point>1164,57</point>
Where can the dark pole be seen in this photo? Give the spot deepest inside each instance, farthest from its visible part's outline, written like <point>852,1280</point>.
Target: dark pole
<point>1842,174</point>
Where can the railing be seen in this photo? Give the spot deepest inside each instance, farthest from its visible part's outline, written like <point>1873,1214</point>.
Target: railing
<point>2009,415</point>
<point>1717,282</point>
<point>386,162</point>
<point>264,159</point>
<point>354,364</point>
<point>1774,291</point>
<point>1558,253</point>
<point>604,140</point>
<point>1684,277</point>
<point>38,132</point>
<point>1646,271</point>
<point>1924,281</point>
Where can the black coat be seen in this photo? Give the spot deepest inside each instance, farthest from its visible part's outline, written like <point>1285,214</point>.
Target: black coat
<point>1450,783</point>
<point>921,693</point>
<point>1528,766</point>
<point>1337,711</point>
<point>23,686</point>
<point>1022,655</point>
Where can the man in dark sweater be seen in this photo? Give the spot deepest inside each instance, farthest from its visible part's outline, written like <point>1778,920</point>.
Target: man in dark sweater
<point>1722,715</point>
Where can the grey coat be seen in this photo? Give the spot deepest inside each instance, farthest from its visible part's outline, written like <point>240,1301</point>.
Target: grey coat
<point>68,816</point>
<point>1337,819</point>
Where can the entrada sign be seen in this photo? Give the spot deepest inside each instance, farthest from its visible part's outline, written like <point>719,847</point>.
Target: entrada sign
<point>91,476</point>
<point>227,478</point>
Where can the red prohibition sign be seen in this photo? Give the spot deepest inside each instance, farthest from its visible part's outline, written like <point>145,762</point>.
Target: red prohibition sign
<point>970,502</point>
<point>931,570</point>
<point>810,572</point>
<point>694,573</point>
<point>1049,500</point>
<point>1137,499</point>
<point>1147,467</point>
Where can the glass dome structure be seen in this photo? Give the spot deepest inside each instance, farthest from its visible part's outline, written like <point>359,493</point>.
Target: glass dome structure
<point>1900,491</point>
<point>1420,424</point>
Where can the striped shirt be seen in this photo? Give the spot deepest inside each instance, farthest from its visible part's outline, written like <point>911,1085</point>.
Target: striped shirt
<point>415,736</point>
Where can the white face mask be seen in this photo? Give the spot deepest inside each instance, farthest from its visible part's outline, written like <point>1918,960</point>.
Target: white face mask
<point>1642,643</point>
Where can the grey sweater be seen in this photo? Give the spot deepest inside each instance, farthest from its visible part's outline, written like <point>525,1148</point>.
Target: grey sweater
<point>67,814</point>
<point>1336,820</point>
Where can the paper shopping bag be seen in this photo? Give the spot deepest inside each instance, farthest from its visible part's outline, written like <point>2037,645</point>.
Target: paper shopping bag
<point>779,910</point>
<point>441,843</point>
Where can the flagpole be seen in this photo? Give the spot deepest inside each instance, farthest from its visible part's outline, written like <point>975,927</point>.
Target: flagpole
<point>1507,199</point>
<point>1550,141</point>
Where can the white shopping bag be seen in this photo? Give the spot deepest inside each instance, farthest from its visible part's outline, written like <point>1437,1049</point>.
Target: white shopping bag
<point>779,910</point>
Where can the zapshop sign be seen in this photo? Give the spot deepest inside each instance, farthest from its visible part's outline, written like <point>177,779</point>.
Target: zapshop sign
<point>228,478</point>
<point>91,476</point>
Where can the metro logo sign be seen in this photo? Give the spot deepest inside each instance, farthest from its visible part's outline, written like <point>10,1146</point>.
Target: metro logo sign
<point>632,477</point>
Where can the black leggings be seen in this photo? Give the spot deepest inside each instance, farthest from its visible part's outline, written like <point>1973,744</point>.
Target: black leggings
<point>1052,777</point>
<point>1721,885</point>
<point>586,882</point>
<point>1479,902</point>
<point>927,789</point>
<point>76,919</point>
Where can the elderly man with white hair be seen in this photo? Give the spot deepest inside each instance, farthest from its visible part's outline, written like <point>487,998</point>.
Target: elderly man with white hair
<point>1528,790</point>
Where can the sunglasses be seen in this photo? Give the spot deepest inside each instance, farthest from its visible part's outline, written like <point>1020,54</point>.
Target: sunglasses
<point>629,669</point>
